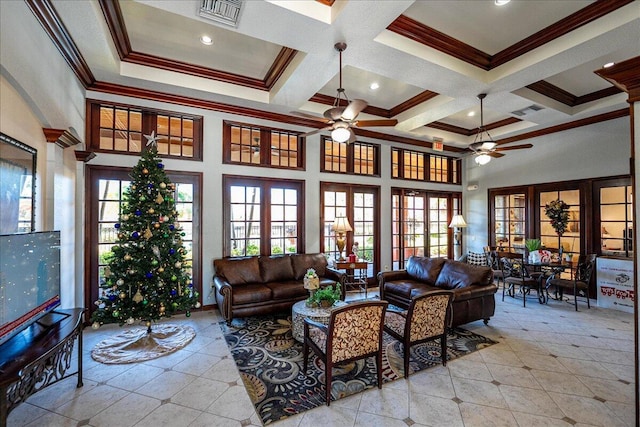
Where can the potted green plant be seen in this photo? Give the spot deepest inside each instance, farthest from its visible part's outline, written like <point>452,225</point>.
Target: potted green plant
<point>325,297</point>
<point>533,245</point>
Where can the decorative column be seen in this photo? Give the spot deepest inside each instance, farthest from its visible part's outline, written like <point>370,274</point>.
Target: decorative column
<point>626,76</point>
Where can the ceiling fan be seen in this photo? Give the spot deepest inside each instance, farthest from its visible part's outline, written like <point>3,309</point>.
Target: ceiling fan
<point>485,149</point>
<point>341,117</point>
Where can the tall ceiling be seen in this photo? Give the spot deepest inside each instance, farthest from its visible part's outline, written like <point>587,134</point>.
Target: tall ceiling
<point>430,59</point>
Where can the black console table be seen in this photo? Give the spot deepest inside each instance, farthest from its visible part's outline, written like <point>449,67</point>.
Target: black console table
<point>39,356</point>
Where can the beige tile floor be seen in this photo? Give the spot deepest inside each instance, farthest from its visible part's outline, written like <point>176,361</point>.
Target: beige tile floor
<point>552,367</point>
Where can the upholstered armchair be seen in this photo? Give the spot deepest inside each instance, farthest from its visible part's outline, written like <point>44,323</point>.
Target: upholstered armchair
<point>426,319</point>
<point>354,332</point>
<point>580,281</point>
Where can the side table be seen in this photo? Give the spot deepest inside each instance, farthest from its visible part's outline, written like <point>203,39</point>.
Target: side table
<point>300,311</point>
<point>356,274</point>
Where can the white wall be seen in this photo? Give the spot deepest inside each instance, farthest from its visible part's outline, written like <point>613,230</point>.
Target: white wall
<point>38,90</point>
<point>598,150</point>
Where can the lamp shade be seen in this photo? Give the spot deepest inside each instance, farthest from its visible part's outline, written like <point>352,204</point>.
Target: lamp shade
<point>341,224</point>
<point>483,159</point>
<point>457,222</point>
<point>340,134</point>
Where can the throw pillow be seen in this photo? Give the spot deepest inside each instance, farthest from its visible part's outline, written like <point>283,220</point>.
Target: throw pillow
<point>475,258</point>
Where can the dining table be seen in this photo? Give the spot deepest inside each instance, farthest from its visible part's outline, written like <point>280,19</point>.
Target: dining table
<point>546,271</point>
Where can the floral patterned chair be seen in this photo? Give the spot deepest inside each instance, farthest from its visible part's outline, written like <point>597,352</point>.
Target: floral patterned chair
<point>426,319</point>
<point>354,332</point>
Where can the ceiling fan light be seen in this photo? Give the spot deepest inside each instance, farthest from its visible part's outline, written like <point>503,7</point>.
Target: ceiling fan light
<point>482,159</point>
<point>340,134</point>
<point>488,145</point>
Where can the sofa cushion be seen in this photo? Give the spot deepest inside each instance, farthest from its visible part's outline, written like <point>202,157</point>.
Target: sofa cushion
<point>455,275</point>
<point>302,262</point>
<point>238,271</point>
<point>251,294</point>
<point>425,269</point>
<point>276,268</point>
<point>287,290</point>
<point>404,288</point>
<point>476,258</point>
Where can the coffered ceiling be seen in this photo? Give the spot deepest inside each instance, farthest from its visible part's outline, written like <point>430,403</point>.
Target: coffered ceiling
<point>430,60</point>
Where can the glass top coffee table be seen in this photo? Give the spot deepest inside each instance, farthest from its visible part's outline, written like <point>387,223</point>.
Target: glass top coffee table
<point>300,311</point>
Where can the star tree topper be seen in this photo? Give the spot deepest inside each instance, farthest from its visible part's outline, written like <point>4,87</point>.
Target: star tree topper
<point>152,139</point>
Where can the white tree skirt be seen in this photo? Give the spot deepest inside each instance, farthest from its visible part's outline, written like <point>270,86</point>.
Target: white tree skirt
<point>136,345</point>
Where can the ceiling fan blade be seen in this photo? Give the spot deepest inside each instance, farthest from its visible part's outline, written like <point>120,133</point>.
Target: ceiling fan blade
<point>372,123</point>
<point>309,116</point>
<point>514,147</point>
<point>495,154</point>
<point>313,132</point>
<point>353,109</point>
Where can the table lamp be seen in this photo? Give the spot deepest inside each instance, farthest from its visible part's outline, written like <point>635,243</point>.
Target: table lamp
<point>340,226</point>
<point>457,223</point>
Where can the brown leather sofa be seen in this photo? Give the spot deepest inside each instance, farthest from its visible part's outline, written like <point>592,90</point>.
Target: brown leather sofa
<point>262,285</point>
<point>473,286</point>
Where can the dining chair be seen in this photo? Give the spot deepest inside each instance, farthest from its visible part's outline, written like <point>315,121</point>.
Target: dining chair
<point>580,280</point>
<point>426,319</point>
<point>516,274</point>
<point>354,332</point>
<point>493,261</point>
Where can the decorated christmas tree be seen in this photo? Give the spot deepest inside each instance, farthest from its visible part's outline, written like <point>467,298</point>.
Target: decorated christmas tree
<point>146,278</point>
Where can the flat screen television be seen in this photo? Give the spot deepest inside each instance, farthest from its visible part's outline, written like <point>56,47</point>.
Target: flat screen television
<point>29,280</point>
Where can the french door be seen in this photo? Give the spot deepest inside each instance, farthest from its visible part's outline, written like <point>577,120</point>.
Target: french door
<point>360,205</point>
<point>105,192</point>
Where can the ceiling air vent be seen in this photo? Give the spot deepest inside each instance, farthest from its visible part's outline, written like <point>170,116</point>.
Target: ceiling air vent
<point>530,109</point>
<point>223,11</point>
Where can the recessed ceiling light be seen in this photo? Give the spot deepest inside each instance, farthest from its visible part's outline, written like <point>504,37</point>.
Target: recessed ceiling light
<point>374,86</point>
<point>471,113</point>
<point>206,40</point>
<point>609,64</point>
<point>501,2</point>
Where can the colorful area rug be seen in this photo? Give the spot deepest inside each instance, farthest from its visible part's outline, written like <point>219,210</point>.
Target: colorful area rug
<point>270,365</point>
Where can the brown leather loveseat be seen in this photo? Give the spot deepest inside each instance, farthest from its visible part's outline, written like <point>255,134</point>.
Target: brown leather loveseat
<point>266,284</point>
<point>473,286</point>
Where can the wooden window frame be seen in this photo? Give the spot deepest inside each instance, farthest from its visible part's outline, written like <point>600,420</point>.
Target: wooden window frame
<point>454,207</point>
<point>149,125</point>
<point>350,189</point>
<point>265,146</point>
<point>350,157</point>
<point>454,170</point>
<point>265,185</point>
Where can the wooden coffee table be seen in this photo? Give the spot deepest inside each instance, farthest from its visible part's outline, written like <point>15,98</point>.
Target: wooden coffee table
<point>300,311</point>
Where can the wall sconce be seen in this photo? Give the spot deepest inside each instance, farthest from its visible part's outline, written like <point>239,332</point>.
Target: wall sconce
<point>341,225</point>
<point>457,223</point>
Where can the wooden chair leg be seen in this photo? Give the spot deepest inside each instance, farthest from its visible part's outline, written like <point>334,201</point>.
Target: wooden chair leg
<point>443,348</point>
<point>327,381</point>
<point>379,367</point>
<point>407,349</point>
<point>305,353</point>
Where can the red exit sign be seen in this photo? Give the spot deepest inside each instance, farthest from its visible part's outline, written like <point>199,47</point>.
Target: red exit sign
<point>437,144</point>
